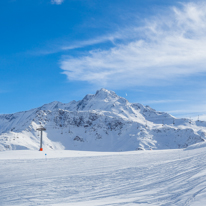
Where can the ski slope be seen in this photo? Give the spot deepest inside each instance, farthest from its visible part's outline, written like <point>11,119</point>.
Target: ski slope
<point>156,177</point>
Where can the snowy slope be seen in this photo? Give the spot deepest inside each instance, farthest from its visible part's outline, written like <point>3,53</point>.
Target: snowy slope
<point>99,122</point>
<point>77,178</point>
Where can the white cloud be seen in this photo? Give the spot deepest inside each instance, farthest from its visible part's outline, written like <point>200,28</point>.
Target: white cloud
<point>98,40</point>
<point>57,1</point>
<point>78,44</point>
<point>163,101</point>
<point>190,111</point>
<point>172,45</point>
<point>92,42</point>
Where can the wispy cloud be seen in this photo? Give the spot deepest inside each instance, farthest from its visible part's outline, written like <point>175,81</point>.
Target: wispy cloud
<point>172,45</point>
<point>163,101</point>
<point>57,1</point>
<point>191,111</point>
<point>89,42</point>
<point>78,44</point>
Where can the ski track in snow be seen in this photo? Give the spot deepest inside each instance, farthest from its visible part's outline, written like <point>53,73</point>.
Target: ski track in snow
<point>166,177</point>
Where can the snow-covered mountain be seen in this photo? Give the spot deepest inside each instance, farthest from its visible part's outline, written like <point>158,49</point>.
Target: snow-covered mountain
<point>99,122</point>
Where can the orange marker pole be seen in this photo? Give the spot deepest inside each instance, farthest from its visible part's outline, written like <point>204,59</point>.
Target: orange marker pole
<point>41,149</point>
<point>41,129</point>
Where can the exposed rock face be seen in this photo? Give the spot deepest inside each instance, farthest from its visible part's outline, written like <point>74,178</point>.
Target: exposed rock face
<point>100,122</point>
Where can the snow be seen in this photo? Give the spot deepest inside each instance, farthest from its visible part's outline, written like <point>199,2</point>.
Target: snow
<point>64,177</point>
<point>100,122</point>
<point>102,150</point>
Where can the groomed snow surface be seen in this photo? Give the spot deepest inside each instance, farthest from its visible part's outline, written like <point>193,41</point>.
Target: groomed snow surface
<point>160,177</point>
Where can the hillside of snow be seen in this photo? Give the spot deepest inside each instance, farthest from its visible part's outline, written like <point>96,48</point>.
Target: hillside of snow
<point>81,178</point>
<point>100,122</point>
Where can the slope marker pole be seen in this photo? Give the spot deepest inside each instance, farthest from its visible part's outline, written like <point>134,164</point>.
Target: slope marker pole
<point>41,129</point>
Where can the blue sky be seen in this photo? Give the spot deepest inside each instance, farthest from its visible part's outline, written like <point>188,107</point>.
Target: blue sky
<point>148,51</point>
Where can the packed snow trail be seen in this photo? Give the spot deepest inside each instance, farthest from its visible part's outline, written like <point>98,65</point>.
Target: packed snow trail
<point>166,177</point>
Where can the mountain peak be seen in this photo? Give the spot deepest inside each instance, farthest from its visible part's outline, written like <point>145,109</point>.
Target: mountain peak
<point>98,101</point>
<point>104,93</point>
<point>103,90</point>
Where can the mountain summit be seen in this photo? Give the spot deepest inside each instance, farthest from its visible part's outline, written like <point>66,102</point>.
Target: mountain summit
<point>99,122</point>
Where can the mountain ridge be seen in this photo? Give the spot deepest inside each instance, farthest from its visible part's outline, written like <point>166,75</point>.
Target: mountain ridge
<point>102,121</point>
